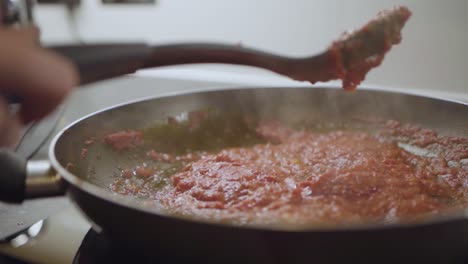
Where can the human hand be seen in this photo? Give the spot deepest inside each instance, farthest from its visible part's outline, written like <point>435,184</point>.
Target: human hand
<point>39,77</point>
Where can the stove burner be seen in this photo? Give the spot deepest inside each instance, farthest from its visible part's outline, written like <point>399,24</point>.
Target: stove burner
<point>96,249</point>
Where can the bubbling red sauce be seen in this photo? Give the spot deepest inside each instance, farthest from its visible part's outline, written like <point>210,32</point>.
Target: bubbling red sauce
<point>304,178</point>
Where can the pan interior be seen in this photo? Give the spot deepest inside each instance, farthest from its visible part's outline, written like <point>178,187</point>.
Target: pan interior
<point>230,118</point>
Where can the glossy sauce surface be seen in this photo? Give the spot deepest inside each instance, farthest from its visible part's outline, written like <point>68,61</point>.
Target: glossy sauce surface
<point>305,178</point>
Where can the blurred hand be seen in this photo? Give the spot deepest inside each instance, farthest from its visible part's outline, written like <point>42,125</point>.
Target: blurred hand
<point>41,78</point>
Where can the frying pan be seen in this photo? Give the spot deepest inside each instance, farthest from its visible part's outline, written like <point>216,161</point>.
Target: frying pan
<point>135,226</point>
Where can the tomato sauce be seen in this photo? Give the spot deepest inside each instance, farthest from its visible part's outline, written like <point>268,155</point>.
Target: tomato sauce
<point>305,178</point>
<point>356,53</point>
<point>123,140</point>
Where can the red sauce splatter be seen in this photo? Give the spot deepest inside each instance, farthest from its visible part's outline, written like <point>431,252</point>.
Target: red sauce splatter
<point>124,140</point>
<point>195,118</point>
<point>172,121</point>
<point>127,173</point>
<point>69,166</point>
<point>83,153</point>
<point>143,172</point>
<point>157,156</point>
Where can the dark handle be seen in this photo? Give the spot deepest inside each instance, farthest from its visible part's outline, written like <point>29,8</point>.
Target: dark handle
<point>21,179</point>
<point>189,53</point>
<point>98,62</point>
<point>103,61</point>
<point>13,177</point>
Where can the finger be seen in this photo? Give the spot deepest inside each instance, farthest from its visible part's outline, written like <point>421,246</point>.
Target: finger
<point>41,78</point>
<point>25,35</point>
<point>10,126</point>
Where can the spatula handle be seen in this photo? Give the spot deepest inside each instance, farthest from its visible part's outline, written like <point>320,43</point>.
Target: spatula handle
<point>103,61</point>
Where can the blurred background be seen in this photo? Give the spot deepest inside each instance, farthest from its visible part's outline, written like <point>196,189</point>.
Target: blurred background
<point>431,57</point>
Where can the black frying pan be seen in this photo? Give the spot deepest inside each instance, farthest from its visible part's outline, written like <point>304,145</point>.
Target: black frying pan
<point>150,231</point>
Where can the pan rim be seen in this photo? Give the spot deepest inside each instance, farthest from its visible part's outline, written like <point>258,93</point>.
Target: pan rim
<point>122,201</point>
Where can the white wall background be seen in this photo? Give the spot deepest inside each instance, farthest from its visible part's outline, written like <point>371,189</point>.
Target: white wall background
<point>433,54</point>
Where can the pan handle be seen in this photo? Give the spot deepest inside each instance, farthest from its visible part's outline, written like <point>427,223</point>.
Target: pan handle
<point>21,179</point>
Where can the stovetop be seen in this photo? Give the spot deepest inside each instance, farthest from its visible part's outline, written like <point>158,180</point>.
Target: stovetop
<point>65,235</point>
<point>97,249</point>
